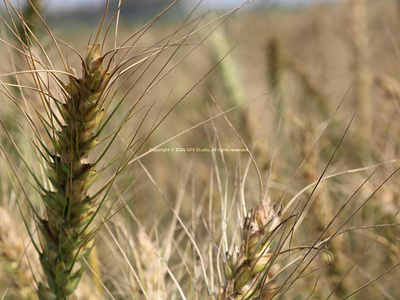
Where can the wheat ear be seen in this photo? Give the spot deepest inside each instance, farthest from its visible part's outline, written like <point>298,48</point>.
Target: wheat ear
<point>248,270</point>
<point>69,208</point>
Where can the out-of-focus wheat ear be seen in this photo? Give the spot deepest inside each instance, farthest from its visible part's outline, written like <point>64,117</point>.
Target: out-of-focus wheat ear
<point>275,74</point>
<point>16,259</point>
<point>360,45</point>
<point>310,85</point>
<point>150,269</point>
<point>94,263</point>
<point>30,17</point>
<point>230,75</point>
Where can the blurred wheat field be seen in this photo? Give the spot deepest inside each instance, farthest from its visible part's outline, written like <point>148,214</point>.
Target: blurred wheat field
<point>282,156</point>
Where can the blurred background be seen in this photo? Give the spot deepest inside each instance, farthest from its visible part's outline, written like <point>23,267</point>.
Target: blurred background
<point>290,65</point>
<point>138,5</point>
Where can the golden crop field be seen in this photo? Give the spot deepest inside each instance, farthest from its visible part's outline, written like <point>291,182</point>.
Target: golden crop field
<point>250,154</point>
